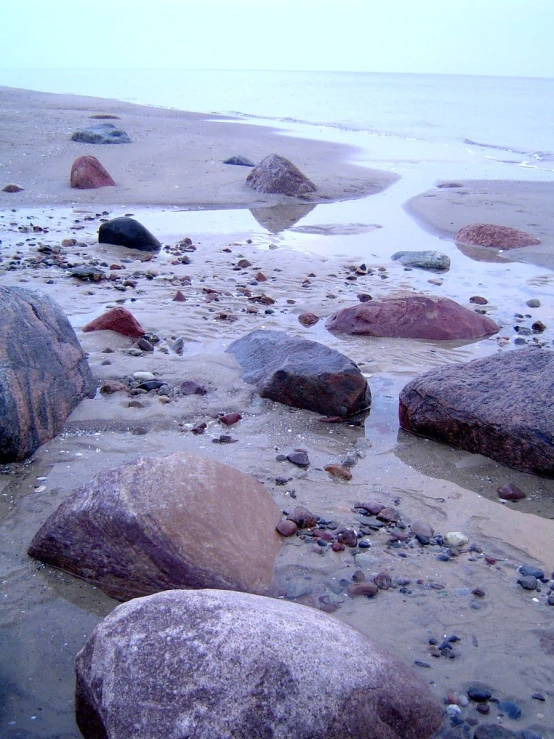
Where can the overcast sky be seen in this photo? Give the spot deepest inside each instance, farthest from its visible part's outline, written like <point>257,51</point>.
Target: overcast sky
<point>493,37</point>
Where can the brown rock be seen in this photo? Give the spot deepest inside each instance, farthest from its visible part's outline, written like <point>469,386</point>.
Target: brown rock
<point>308,319</point>
<point>478,300</point>
<point>412,317</point>
<point>510,492</point>
<point>275,174</point>
<point>179,297</point>
<point>119,320</point>
<point>88,174</point>
<point>11,187</point>
<point>223,664</point>
<point>501,407</point>
<point>303,518</point>
<point>338,472</point>
<point>112,386</point>
<point>287,528</point>
<point>156,524</point>
<point>44,373</point>
<point>422,529</point>
<point>383,581</point>
<point>496,237</point>
<point>349,538</point>
<point>229,419</point>
<point>191,387</point>
<point>371,506</point>
<point>389,515</point>
<point>362,588</point>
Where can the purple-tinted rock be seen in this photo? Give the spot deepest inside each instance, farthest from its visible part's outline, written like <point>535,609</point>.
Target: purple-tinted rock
<point>277,175</point>
<point>302,373</point>
<point>87,173</point>
<point>362,588</point>
<point>412,317</point>
<point>303,518</point>
<point>211,663</point>
<point>511,492</point>
<point>156,524</point>
<point>371,506</point>
<point>496,237</point>
<point>501,407</point>
<point>422,529</point>
<point>299,457</point>
<point>119,320</point>
<point>287,528</point>
<point>44,373</point>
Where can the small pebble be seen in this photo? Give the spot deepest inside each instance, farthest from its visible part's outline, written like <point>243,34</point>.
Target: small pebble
<point>533,303</point>
<point>510,708</point>
<point>479,693</point>
<point>528,582</point>
<point>287,528</point>
<point>299,457</point>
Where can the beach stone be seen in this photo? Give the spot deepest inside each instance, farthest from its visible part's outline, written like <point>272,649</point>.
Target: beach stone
<point>412,317</point>
<point>303,518</point>
<point>478,300</point>
<point>301,373</point>
<point>455,539</point>
<point>430,260</point>
<point>275,174</point>
<point>496,237</point>
<point>127,232</point>
<point>528,582</point>
<point>501,406</point>
<point>338,471</point>
<point>308,319</point>
<point>362,588</point>
<point>510,708</point>
<point>287,528</point>
<point>227,664</point>
<point>119,320</point>
<point>159,523</point>
<point>44,372</point>
<point>240,161</point>
<point>533,303</point>
<point>510,492</point>
<point>102,133</point>
<point>11,188</point>
<point>87,173</point>
<point>479,693</point>
<point>420,528</point>
<point>299,457</point>
<point>492,731</point>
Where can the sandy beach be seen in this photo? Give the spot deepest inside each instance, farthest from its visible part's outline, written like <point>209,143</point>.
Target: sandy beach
<point>173,168</point>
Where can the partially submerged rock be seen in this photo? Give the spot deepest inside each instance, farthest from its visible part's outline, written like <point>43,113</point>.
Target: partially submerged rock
<point>119,320</point>
<point>12,187</point>
<point>412,317</point>
<point>301,373</point>
<point>240,161</point>
<point>430,260</point>
<point>162,523</point>
<point>220,664</point>
<point>277,175</point>
<point>102,133</point>
<point>127,232</point>
<point>87,173</point>
<point>501,407</point>
<point>44,373</point>
<point>496,237</point>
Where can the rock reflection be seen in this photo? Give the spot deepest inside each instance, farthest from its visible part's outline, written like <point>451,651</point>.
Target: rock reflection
<point>278,218</point>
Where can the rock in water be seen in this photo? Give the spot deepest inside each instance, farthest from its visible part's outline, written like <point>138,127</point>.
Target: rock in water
<point>220,664</point>
<point>163,523</point>
<point>496,237</point>
<point>431,260</point>
<point>88,174</point>
<point>501,406</point>
<point>127,232</point>
<point>119,320</point>
<point>102,133</point>
<point>301,373</point>
<point>412,317</point>
<point>275,174</point>
<point>44,373</point>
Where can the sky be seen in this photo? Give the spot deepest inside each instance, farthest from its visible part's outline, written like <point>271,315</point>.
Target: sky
<point>486,37</point>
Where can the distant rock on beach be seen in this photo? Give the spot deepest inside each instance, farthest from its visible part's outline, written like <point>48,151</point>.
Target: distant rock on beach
<point>102,133</point>
<point>128,232</point>
<point>277,175</point>
<point>495,237</point>
<point>87,173</point>
<point>240,161</point>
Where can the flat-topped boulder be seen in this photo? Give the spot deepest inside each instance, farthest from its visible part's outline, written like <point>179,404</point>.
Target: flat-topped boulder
<point>275,174</point>
<point>494,236</point>
<point>501,407</point>
<point>127,232</point>
<point>301,373</point>
<point>44,372</point>
<point>221,664</point>
<point>412,317</point>
<point>160,523</point>
<point>87,173</point>
<point>101,133</point>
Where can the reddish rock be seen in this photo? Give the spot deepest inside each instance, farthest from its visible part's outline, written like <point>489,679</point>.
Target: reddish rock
<point>88,174</point>
<point>275,174</point>
<point>119,320</point>
<point>389,515</point>
<point>478,300</point>
<point>287,528</point>
<point>348,538</point>
<point>229,419</point>
<point>308,319</point>
<point>179,297</point>
<point>412,317</point>
<point>303,518</point>
<point>501,407</point>
<point>383,581</point>
<point>511,492</point>
<point>302,373</point>
<point>420,528</point>
<point>157,524</point>
<point>44,373</point>
<point>338,471</point>
<point>362,588</point>
<point>371,506</point>
<point>496,237</point>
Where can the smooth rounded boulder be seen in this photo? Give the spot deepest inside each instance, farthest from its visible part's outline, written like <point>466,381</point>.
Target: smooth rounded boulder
<point>102,133</point>
<point>501,407</point>
<point>433,261</point>
<point>494,236</point>
<point>160,523</point>
<point>275,174</point>
<point>44,372</point>
<point>301,373</point>
<point>127,232</point>
<point>87,173</point>
<point>412,317</point>
<point>209,663</point>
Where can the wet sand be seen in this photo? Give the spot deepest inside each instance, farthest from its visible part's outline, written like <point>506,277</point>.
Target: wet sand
<point>506,636</point>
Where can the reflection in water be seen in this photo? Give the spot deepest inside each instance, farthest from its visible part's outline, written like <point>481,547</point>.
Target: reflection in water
<point>483,253</point>
<point>278,218</point>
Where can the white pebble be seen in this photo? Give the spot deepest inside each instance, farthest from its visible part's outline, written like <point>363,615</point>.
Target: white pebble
<point>143,376</point>
<point>456,539</point>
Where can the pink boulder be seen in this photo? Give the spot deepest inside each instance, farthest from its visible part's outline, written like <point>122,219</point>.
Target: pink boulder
<point>88,174</point>
<point>412,317</point>
<point>119,320</point>
<point>496,237</point>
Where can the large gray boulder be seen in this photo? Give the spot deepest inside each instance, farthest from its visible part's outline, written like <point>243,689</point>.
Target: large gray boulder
<point>277,175</point>
<point>101,133</point>
<point>44,373</point>
<point>162,523</point>
<point>128,232</point>
<point>208,664</point>
<point>501,406</point>
<point>430,260</point>
<point>301,373</point>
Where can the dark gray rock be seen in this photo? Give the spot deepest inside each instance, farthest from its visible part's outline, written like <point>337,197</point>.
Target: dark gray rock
<point>208,664</point>
<point>492,731</point>
<point>501,407</point>
<point>240,161</point>
<point>301,373</point>
<point>277,175</point>
<point>44,373</point>
<point>127,232</point>
<point>102,133</point>
<point>429,260</point>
